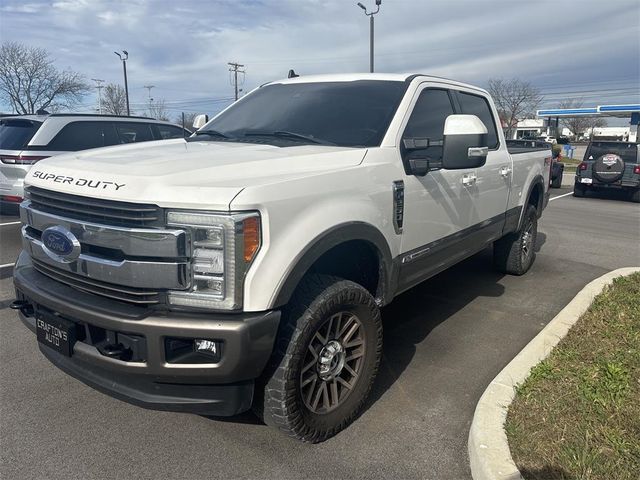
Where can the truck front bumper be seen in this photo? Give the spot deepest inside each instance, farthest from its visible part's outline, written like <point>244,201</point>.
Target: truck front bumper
<point>154,379</point>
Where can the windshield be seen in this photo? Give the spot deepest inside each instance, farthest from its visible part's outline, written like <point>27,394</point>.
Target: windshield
<point>627,151</point>
<point>348,114</point>
<point>16,133</point>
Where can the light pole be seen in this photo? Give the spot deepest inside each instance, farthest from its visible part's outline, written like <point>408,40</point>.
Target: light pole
<point>124,68</point>
<point>370,15</point>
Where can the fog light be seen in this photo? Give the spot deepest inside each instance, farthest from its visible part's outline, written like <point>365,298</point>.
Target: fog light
<point>206,346</point>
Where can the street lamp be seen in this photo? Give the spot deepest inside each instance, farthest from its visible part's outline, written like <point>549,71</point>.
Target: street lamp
<point>370,15</point>
<point>124,68</point>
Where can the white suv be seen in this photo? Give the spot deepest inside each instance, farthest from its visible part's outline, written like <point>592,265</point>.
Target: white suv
<point>25,139</point>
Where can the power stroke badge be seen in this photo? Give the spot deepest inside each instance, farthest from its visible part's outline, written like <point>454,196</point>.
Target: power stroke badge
<point>80,182</point>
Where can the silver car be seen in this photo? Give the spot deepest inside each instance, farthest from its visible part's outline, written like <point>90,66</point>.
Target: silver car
<point>25,139</point>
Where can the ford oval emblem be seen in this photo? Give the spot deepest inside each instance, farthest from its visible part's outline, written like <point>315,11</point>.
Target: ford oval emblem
<point>60,244</point>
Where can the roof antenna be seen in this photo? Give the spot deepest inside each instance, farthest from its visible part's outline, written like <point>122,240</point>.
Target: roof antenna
<point>292,74</point>
<point>42,111</point>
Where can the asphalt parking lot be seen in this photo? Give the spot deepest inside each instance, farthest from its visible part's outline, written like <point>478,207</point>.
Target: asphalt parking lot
<point>444,342</point>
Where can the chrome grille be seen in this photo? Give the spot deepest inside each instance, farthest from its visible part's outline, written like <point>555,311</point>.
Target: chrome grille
<point>117,292</point>
<point>95,210</point>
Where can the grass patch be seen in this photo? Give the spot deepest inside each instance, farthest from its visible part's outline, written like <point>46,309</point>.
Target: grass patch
<point>578,413</point>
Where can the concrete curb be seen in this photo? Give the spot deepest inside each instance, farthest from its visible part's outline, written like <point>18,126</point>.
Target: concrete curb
<point>489,453</point>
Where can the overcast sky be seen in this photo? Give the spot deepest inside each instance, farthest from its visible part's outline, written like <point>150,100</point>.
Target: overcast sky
<point>567,48</point>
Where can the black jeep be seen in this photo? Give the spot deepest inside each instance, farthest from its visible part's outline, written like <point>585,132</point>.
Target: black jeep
<point>609,165</point>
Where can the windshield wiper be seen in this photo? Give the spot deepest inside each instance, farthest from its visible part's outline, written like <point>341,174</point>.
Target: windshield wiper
<point>212,133</point>
<point>286,134</point>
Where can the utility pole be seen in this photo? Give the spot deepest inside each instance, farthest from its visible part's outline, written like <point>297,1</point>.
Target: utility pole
<point>99,86</point>
<point>235,68</point>
<point>371,25</point>
<point>149,87</point>
<point>124,69</point>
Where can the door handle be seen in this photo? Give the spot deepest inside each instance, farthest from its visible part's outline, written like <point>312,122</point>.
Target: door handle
<point>505,171</point>
<point>469,179</point>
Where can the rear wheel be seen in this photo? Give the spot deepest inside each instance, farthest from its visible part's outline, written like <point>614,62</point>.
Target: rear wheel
<point>325,361</point>
<point>635,195</point>
<point>557,182</point>
<point>515,253</point>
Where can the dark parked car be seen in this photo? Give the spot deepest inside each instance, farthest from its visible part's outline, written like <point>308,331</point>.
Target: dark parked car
<point>609,165</point>
<point>557,167</point>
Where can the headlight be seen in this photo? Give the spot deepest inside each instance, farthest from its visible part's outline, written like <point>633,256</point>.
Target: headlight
<point>223,247</point>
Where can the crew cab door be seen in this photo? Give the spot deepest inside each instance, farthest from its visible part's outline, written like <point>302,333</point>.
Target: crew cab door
<point>448,214</point>
<point>494,177</point>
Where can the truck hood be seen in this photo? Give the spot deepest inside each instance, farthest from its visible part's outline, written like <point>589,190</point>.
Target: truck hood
<point>177,173</point>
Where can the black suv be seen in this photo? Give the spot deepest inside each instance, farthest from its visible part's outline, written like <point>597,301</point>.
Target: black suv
<point>609,165</point>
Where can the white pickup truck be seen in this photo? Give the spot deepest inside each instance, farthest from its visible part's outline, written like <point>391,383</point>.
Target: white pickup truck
<point>245,266</point>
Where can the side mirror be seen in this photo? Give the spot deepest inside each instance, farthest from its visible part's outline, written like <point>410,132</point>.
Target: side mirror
<point>465,142</point>
<point>200,121</point>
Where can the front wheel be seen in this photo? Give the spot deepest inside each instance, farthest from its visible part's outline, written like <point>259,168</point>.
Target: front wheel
<point>515,253</point>
<point>325,361</point>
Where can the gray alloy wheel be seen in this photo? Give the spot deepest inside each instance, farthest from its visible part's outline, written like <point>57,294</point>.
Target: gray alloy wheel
<point>333,363</point>
<point>526,243</point>
<point>515,252</point>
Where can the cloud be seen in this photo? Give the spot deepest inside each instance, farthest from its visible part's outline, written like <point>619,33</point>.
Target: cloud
<point>183,47</point>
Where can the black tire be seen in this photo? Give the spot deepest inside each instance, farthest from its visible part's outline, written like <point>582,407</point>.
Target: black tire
<point>579,191</point>
<point>557,182</point>
<point>635,195</point>
<point>514,253</point>
<point>309,318</point>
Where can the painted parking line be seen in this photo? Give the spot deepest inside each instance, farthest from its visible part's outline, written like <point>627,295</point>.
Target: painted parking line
<point>560,196</point>
<point>9,223</point>
<point>6,270</point>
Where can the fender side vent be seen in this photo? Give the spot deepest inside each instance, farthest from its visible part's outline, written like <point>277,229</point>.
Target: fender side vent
<point>398,205</point>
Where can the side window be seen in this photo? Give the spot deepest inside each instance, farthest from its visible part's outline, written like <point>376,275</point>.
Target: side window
<point>479,106</point>
<point>169,131</point>
<point>428,116</point>
<point>130,132</point>
<point>79,136</point>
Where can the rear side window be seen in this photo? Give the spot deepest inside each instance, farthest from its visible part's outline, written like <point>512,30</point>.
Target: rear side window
<point>82,136</point>
<point>130,132</point>
<point>169,131</point>
<point>16,133</point>
<point>479,106</point>
<point>428,116</point>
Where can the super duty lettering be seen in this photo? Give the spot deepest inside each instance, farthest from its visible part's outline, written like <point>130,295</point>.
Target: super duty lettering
<point>80,182</point>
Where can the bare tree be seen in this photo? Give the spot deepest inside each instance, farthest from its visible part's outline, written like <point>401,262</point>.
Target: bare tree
<point>158,110</point>
<point>114,100</point>
<point>579,125</point>
<point>30,82</point>
<point>188,119</point>
<point>515,100</point>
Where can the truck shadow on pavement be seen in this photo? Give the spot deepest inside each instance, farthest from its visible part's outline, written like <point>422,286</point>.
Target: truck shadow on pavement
<point>412,316</point>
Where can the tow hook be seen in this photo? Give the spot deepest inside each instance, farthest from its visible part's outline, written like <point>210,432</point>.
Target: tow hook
<point>117,351</point>
<point>24,306</point>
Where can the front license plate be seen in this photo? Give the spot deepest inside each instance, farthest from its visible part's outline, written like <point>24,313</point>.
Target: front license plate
<point>586,180</point>
<point>56,333</point>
